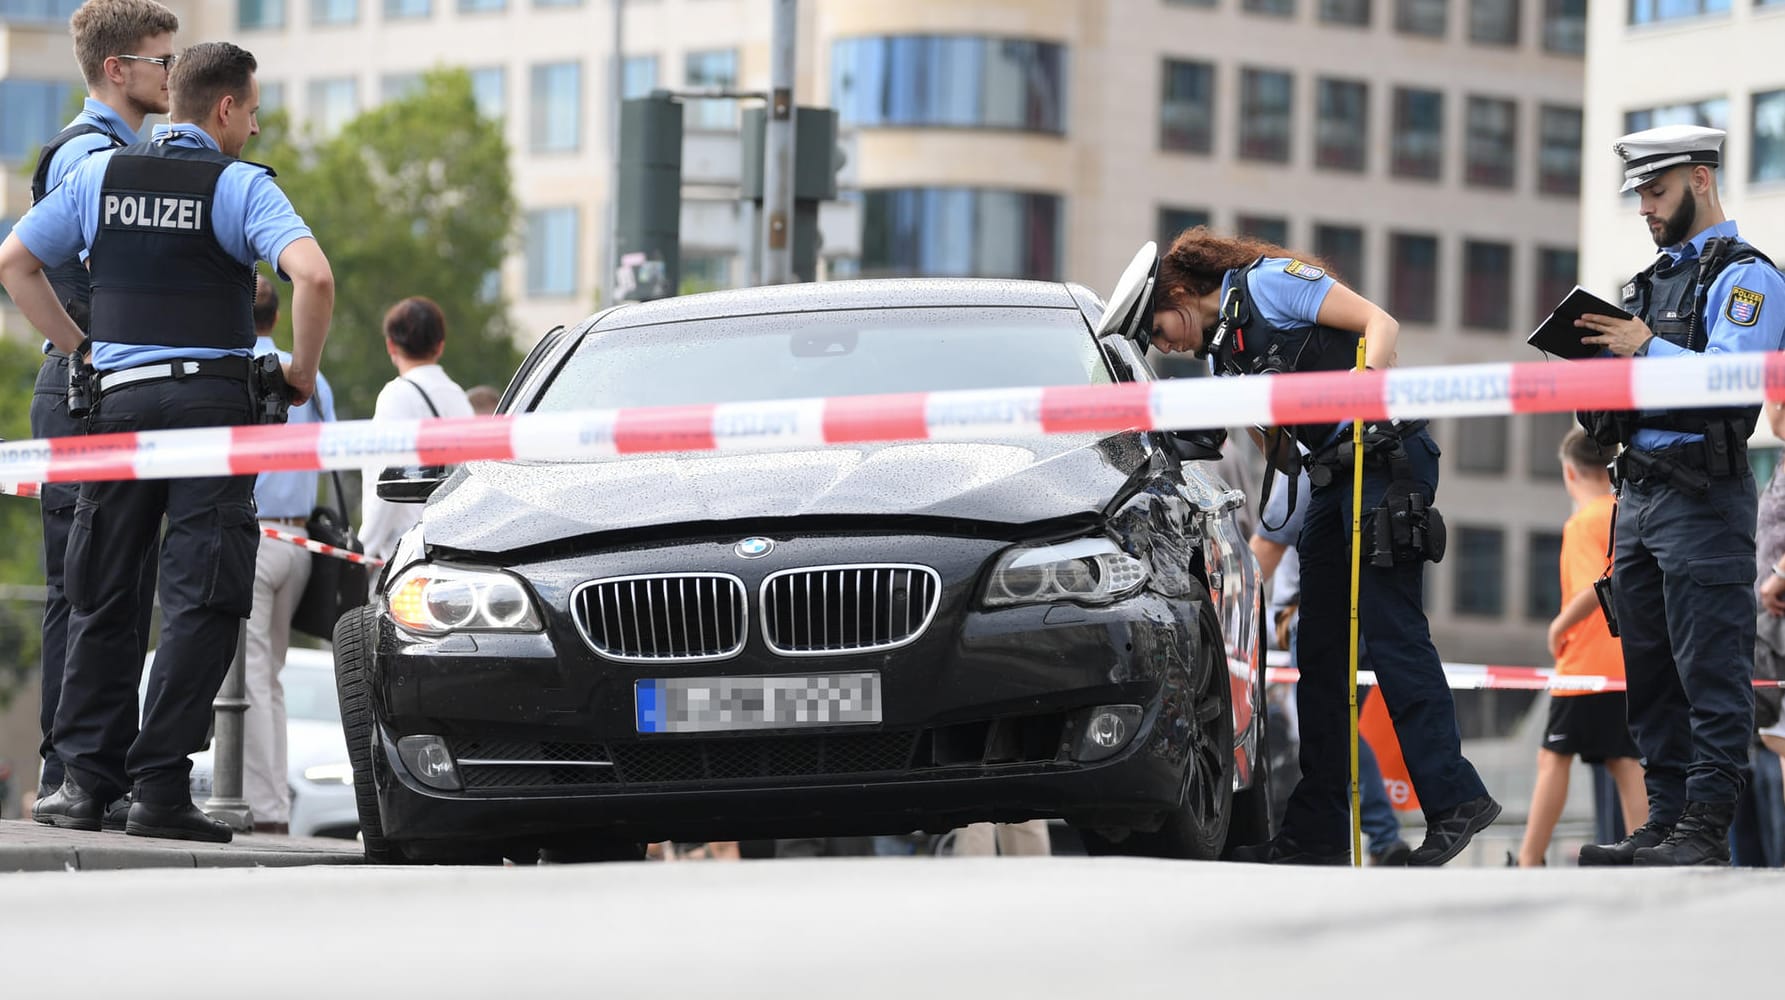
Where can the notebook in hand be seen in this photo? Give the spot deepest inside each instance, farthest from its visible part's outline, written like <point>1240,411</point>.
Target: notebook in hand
<point>1559,336</point>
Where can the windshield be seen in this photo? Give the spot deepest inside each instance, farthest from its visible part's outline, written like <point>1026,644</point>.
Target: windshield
<point>842,353</point>
<point>310,693</point>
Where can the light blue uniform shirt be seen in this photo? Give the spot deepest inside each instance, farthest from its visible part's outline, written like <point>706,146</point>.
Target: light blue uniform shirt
<point>77,149</point>
<point>293,494</point>
<point>1285,300</point>
<point>252,218</point>
<point>1733,322</point>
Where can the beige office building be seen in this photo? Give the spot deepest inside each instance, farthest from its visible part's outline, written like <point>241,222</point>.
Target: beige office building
<point>1428,149</point>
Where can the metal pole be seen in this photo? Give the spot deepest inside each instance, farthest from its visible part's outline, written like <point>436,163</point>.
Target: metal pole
<point>777,159</point>
<point>226,803</point>
<point>617,86</point>
<point>1357,504</point>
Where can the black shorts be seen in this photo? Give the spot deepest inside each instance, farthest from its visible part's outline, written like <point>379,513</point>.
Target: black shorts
<point>1592,727</point>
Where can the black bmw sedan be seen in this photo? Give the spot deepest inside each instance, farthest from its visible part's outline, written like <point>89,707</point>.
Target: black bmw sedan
<point>583,657</point>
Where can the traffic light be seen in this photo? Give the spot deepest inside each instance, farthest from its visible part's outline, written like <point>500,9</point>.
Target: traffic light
<point>816,160</point>
<point>649,211</point>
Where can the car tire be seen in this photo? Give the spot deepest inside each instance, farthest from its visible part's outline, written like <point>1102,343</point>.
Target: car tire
<point>1252,807</point>
<point>353,654</point>
<point>1197,829</point>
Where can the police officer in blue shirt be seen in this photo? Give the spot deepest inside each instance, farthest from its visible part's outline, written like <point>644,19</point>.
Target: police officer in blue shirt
<point>125,49</point>
<point>173,227</point>
<point>1683,560</point>
<point>1254,309</point>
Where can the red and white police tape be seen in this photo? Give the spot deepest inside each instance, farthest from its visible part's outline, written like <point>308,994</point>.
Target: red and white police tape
<point>1481,677</point>
<point>1176,404</point>
<point>320,548</point>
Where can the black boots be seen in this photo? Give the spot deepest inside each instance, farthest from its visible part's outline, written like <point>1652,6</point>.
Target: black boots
<point>70,808</point>
<point>1448,832</point>
<point>175,822</point>
<point>1622,853</point>
<point>1281,850</point>
<point>1700,838</point>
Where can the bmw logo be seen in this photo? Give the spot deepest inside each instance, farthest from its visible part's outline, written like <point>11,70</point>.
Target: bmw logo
<point>754,548</point>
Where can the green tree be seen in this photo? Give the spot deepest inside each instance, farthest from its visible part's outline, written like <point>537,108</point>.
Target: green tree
<point>413,197</point>
<point>21,558</point>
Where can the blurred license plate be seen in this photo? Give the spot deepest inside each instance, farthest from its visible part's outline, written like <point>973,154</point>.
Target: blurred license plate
<point>722,704</point>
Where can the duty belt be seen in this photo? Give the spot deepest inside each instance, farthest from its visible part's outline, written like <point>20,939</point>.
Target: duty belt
<point>1684,466</point>
<point>233,367</point>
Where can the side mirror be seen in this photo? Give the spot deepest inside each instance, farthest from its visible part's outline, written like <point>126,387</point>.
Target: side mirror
<point>1191,446</point>
<point>410,483</point>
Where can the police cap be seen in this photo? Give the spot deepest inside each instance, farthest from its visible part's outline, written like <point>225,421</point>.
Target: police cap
<point>1648,153</point>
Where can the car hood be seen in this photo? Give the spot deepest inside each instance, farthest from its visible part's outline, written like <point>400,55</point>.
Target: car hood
<point>502,506</point>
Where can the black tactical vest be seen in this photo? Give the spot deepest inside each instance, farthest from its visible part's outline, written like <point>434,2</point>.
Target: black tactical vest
<point>159,275</point>
<point>1250,348</point>
<point>1670,298</point>
<point>69,278</point>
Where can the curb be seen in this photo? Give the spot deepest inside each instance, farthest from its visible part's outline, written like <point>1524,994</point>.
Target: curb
<point>56,858</point>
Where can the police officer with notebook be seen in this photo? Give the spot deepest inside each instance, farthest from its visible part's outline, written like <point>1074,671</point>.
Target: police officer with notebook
<point>1683,559</point>
<point>173,228</point>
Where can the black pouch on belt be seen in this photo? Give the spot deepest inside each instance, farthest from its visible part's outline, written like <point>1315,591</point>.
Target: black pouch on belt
<point>1406,528</point>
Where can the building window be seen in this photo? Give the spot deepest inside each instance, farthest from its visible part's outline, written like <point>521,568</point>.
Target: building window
<point>1769,137</point>
<point>396,86</point>
<point>1191,3</point>
<point>1557,273</point>
<point>272,96</point>
<point>705,274</point>
<point>557,111</point>
<point>1654,11</point>
<point>1342,130</point>
<point>1187,108</point>
<point>1487,285</point>
<point>1480,572</point>
<point>489,88</point>
<point>1711,113</point>
<point>951,81</point>
<point>1266,98</point>
<point>1565,26</point>
<point>716,70</point>
<point>557,3</point>
<point>1422,17</point>
<point>395,10</point>
<point>1558,155</point>
<point>961,232</point>
<point>1543,575</point>
<point>333,12</point>
<point>251,14</point>
<point>1418,144</point>
<point>1269,228</point>
<point>1276,8</point>
<point>1493,22</point>
<point>1342,248</point>
<point>552,246</point>
<point>638,76</point>
<point>1491,149</point>
<point>1481,444</point>
<point>1353,12</point>
<point>1413,278</point>
<point>38,11</point>
<point>31,111</point>
<point>333,103</point>
<point>482,6</point>
<point>1173,221</point>
<point>1545,444</point>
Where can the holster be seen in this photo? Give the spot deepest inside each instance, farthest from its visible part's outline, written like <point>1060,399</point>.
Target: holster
<point>1406,529</point>
<point>272,395</point>
<point>82,392</point>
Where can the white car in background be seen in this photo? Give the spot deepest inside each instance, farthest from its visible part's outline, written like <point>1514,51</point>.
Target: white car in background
<point>319,774</point>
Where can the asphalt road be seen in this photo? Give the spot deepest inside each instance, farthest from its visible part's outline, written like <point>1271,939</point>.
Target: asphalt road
<point>908,928</point>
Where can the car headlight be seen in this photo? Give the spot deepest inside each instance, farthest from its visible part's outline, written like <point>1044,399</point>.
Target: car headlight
<point>1088,570</point>
<point>432,599</point>
<point>330,774</point>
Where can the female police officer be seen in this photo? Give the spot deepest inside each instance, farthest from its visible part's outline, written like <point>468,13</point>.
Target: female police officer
<point>1254,308</point>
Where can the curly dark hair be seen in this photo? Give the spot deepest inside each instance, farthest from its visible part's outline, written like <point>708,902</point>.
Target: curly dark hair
<point>417,326</point>
<point>1199,258</point>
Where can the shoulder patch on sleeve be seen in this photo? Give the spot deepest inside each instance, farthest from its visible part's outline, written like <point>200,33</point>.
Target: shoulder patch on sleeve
<point>1306,272</point>
<point>1743,307</point>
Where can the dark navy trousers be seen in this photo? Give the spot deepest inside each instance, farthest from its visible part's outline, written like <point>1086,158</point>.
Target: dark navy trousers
<point>207,588</point>
<point>50,419</point>
<point>1409,673</point>
<point>1683,587</point>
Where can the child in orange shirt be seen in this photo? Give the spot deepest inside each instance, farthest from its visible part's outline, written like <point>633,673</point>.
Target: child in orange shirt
<point>1583,724</point>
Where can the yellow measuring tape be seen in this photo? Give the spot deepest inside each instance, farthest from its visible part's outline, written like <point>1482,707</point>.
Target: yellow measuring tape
<point>1357,531</point>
